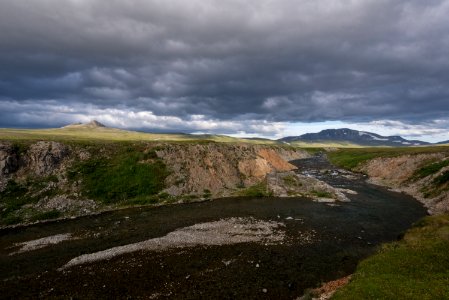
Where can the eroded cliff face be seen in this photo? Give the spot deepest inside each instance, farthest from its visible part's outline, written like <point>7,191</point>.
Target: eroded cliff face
<point>221,169</point>
<point>400,173</point>
<point>35,176</point>
<point>39,159</point>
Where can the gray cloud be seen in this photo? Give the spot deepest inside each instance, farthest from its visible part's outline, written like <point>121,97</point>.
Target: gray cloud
<point>228,61</point>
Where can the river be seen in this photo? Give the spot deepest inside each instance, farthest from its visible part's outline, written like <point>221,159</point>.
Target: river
<point>243,248</point>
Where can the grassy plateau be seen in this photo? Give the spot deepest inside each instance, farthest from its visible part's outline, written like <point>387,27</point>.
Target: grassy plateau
<point>350,158</point>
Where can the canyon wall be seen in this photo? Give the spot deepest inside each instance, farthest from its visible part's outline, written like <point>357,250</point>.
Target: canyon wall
<point>407,173</point>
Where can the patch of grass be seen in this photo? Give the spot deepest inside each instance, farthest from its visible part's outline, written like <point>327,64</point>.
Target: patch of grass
<point>81,134</point>
<point>257,190</point>
<point>430,169</point>
<point>321,194</point>
<point>18,194</point>
<point>14,197</point>
<point>52,214</point>
<point>290,180</point>
<point>314,150</point>
<point>11,219</point>
<point>352,157</point>
<point>437,186</point>
<point>124,174</point>
<point>207,193</point>
<point>441,179</point>
<point>142,200</point>
<point>21,147</point>
<point>415,268</point>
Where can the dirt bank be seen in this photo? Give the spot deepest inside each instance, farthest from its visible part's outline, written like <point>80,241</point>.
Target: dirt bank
<point>416,175</point>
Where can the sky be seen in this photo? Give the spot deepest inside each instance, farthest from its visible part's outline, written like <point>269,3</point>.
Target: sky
<point>268,68</point>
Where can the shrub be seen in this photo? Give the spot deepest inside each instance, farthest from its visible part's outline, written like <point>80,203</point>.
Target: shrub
<point>126,174</point>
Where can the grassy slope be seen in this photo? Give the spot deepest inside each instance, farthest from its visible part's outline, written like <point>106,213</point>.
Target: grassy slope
<point>352,157</point>
<point>415,268</point>
<point>113,134</point>
<point>329,144</point>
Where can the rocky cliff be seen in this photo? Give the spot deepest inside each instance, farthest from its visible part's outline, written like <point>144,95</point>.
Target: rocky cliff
<point>424,176</point>
<point>220,169</point>
<point>46,178</point>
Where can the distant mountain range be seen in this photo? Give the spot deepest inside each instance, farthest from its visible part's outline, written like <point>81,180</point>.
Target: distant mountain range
<point>345,135</point>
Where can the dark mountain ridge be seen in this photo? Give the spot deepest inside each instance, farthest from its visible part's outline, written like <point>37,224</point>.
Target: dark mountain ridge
<point>362,138</point>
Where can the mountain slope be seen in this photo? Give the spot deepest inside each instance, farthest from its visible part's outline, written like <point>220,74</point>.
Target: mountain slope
<point>350,136</point>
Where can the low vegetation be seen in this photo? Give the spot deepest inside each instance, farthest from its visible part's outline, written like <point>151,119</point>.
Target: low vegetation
<point>257,190</point>
<point>127,173</point>
<point>416,267</point>
<point>18,194</point>
<point>321,194</point>
<point>352,157</point>
<point>115,135</point>
<point>430,169</point>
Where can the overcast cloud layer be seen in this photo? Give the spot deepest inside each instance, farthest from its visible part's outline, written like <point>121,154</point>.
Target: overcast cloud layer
<point>225,66</point>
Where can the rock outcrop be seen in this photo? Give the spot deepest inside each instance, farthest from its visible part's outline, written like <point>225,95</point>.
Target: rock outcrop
<point>219,169</point>
<point>39,171</point>
<point>291,184</point>
<point>44,158</point>
<point>9,162</point>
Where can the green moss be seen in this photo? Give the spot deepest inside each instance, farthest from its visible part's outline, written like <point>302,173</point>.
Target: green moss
<point>290,180</point>
<point>207,193</point>
<point>415,268</point>
<point>321,194</point>
<point>53,214</point>
<point>351,158</point>
<point>430,169</point>
<point>14,197</point>
<point>21,147</point>
<point>437,186</point>
<point>142,200</point>
<point>17,194</point>
<point>441,179</point>
<point>123,173</point>
<point>314,150</point>
<point>11,219</point>
<point>257,190</point>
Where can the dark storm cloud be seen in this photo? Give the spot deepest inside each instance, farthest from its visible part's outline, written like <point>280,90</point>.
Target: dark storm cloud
<point>281,61</point>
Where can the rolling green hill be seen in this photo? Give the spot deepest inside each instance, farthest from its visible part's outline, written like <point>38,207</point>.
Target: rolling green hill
<point>96,131</point>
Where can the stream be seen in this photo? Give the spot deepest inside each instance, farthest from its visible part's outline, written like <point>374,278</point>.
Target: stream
<point>239,248</point>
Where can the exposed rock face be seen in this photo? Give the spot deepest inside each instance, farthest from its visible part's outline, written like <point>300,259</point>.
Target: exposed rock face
<point>396,172</point>
<point>221,168</point>
<point>9,162</point>
<point>43,158</point>
<point>197,170</point>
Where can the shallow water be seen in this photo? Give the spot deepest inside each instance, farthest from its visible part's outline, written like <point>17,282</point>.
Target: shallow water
<point>323,242</point>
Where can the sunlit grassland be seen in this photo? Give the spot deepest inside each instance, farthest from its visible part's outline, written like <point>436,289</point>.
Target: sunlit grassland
<point>416,267</point>
<point>329,144</point>
<point>113,134</point>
